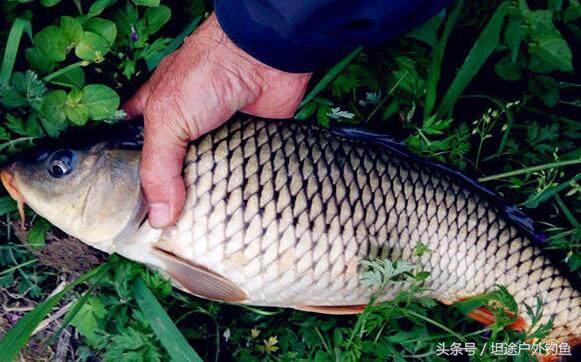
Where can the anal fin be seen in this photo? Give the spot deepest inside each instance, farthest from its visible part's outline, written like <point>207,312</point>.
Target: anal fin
<point>198,280</point>
<point>484,316</point>
<point>332,309</point>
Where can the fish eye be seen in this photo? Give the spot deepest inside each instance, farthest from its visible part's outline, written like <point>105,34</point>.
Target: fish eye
<point>61,163</point>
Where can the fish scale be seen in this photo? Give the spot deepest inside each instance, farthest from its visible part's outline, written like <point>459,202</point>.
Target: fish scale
<point>287,212</point>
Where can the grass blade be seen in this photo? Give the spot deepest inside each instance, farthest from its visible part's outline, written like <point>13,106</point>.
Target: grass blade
<point>18,336</point>
<point>163,327</point>
<point>72,313</point>
<point>436,65</point>
<point>526,170</point>
<point>538,199</point>
<point>568,214</point>
<point>482,49</point>
<point>331,74</point>
<point>153,62</point>
<point>18,28</point>
<point>16,267</point>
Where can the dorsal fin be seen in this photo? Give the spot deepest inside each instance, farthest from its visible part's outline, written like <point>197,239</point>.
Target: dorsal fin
<point>198,280</point>
<point>510,211</point>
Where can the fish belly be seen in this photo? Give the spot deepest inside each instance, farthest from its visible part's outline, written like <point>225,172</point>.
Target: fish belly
<point>287,212</point>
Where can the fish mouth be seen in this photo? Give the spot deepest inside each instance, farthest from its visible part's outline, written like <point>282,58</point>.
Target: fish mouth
<point>8,181</point>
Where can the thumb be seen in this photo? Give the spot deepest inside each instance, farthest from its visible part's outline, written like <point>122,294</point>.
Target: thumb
<point>162,159</point>
<point>134,107</point>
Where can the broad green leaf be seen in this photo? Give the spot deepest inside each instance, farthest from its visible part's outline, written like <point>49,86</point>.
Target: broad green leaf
<point>15,339</point>
<point>74,77</point>
<point>53,107</point>
<point>125,18</point>
<point>152,3</point>
<point>428,31</point>
<point>98,6</point>
<point>155,18</point>
<point>100,100</point>
<point>484,46</point>
<point>152,49</point>
<point>508,70</point>
<point>39,61</point>
<point>89,319</point>
<point>74,97</point>
<point>92,47</point>
<point>52,42</point>
<point>49,3</point>
<point>77,114</point>
<point>539,25</point>
<point>166,331</point>
<point>513,37</point>
<point>36,236</point>
<point>105,28</point>
<point>553,54</point>
<point>129,67</point>
<point>71,29</point>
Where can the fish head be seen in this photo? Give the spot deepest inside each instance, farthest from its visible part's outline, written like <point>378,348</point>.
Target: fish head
<point>91,193</point>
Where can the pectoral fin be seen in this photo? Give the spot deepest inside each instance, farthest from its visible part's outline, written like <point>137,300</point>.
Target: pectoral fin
<point>200,281</point>
<point>332,309</point>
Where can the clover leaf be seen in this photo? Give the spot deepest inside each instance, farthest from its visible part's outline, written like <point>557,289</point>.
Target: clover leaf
<point>52,108</point>
<point>52,42</point>
<point>101,101</point>
<point>75,111</point>
<point>71,29</point>
<point>105,28</point>
<point>92,47</point>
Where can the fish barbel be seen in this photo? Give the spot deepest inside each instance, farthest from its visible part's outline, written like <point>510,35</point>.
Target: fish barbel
<point>282,214</point>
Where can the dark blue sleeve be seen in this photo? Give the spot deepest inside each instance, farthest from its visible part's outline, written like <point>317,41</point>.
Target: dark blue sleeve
<point>302,35</point>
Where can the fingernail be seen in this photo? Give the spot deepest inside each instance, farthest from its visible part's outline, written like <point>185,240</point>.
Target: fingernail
<point>159,215</point>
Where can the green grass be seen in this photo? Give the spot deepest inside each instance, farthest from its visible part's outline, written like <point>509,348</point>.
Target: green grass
<point>489,88</point>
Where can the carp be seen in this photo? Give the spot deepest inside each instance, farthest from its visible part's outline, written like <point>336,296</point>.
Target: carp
<point>282,214</point>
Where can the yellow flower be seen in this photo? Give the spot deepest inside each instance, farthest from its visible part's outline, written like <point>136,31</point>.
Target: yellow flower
<point>270,344</point>
<point>254,332</point>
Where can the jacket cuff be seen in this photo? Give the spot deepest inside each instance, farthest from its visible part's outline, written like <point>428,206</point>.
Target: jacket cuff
<point>266,45</point>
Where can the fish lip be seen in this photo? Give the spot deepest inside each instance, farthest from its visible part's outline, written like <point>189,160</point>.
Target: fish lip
<point>7,178</point>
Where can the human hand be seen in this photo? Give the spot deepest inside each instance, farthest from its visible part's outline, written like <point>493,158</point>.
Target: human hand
<point>193,91</point>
